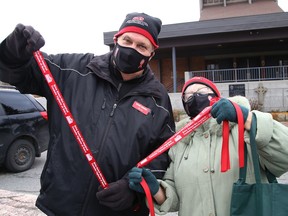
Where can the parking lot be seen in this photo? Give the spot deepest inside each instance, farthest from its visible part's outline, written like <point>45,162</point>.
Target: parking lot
<point>18,191</point>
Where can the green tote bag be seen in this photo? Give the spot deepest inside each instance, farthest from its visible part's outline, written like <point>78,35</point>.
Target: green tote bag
<point>258,199</point>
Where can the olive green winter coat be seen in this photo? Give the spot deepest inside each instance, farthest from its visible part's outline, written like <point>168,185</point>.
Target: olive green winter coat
<point>194,184</point>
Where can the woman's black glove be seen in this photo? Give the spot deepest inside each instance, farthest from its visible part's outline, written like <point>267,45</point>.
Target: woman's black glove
<point>225,110</point>
<point>19,46</point>
<point>118,196</point>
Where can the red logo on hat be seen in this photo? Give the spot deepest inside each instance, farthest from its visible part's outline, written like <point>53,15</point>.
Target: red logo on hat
<point>138,18</point>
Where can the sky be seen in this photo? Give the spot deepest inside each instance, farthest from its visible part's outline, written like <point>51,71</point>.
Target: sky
<point>73,26</point>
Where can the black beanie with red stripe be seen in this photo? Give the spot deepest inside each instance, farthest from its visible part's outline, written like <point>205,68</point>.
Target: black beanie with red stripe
<point>143,24</point>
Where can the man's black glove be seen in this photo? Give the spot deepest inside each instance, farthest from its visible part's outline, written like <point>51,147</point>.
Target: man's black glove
<point>118,196</point>
<point>135,177</point>
<point>225,110</point>
<point>19,46</point>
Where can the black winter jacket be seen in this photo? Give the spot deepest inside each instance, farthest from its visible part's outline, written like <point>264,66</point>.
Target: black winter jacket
<point>118,135</point>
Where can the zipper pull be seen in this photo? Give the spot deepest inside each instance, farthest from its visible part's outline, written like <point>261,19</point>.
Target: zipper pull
<point>104,104</point>
<point>113,110</point>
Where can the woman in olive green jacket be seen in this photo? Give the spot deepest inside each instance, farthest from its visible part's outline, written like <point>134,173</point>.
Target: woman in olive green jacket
<point>194,184</point>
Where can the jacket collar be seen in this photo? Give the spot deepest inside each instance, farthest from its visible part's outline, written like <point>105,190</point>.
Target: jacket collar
<point>148,84</point>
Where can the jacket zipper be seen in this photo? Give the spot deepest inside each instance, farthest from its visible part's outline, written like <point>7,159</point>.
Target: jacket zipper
<point>102,141</point>
<point>117,101</point>
<point>113,110</point>
<point>107,129</point>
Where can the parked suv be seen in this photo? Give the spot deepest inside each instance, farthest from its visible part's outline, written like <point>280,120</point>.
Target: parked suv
<point>23,129</point>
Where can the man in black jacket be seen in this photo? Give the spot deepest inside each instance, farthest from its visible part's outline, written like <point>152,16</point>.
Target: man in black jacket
<point>122,110</point>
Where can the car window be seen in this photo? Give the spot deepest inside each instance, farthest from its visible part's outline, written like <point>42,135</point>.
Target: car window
<point>36,103</point>
<point>16,103</point>
<point>2,112</point>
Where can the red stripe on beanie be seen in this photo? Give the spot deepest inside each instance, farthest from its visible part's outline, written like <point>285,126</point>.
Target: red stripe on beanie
<point>139,31</point>
<point>204,81</point>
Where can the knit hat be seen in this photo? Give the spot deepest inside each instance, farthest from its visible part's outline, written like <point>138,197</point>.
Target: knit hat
<point>143,24</point>
<point>204,81</point>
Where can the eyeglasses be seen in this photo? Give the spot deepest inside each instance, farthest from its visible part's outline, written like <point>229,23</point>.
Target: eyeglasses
<point>200,92</point>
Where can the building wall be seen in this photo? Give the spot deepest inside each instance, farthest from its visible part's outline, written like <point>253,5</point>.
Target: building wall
<point>197,63</point>
<point>192,63</point>
<point>239,9</point>
<point>203,63</point>
<point>167,76</point>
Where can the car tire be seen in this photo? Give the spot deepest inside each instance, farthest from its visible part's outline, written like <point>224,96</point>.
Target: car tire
<point>20,156</point>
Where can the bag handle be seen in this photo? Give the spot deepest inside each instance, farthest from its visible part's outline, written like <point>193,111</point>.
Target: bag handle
<point>254,152</point>
<point>243,170</point>
<point>255,158</point>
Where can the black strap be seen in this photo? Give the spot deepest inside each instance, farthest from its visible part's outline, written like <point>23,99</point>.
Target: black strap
<point>255,158</point>
<point>254,152</point>
<point>243,170</point>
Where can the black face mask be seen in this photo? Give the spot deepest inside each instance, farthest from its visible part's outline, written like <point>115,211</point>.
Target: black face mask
<point>128,60</point>
<point>196,103</point>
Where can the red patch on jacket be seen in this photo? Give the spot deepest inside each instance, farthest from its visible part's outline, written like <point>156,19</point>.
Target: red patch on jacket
<point>141,108</point>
